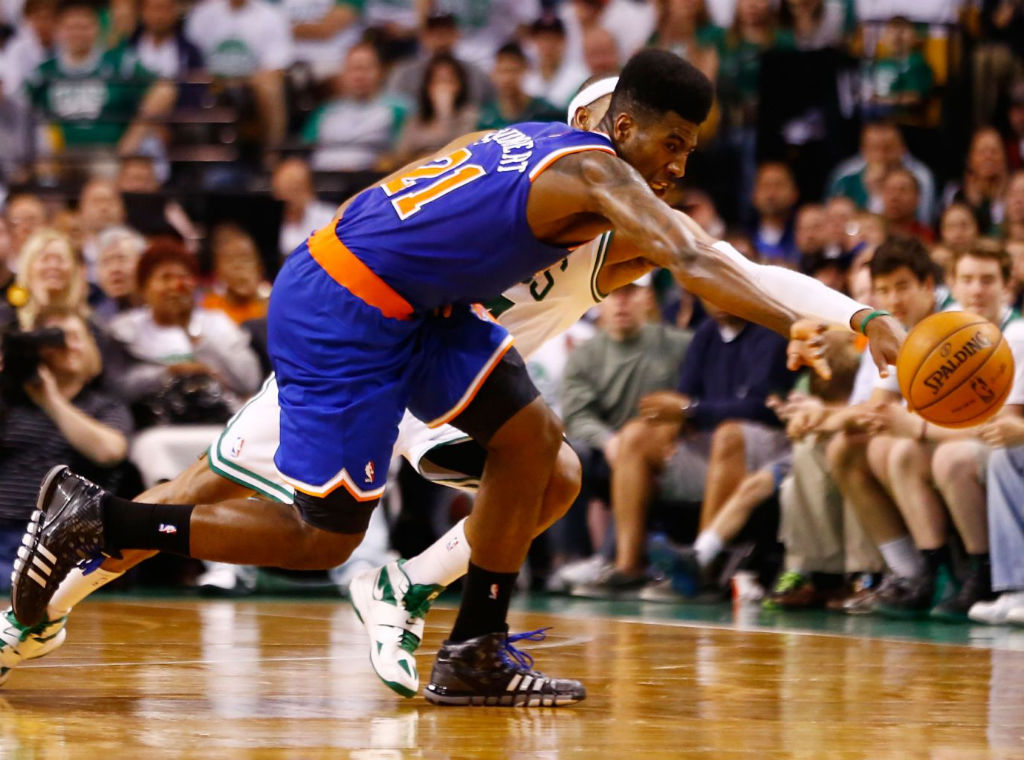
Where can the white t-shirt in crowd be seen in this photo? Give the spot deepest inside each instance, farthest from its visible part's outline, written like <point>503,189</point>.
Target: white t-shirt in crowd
<point>292,234</point>
<point>558,90</point>
<point>237,42</point>
<point>162,59</point>
<point>19,58</point>
<point>325,56</point>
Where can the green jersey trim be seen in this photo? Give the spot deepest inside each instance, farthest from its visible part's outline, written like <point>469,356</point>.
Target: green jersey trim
<point>241,475</point>
<point>602,252</point>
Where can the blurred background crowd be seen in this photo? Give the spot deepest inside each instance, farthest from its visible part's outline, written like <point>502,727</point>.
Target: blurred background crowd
<point>159,160</point>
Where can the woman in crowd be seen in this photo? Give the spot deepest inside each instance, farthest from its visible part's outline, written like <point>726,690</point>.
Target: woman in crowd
<point>444,110</point>
<point>50,273</point>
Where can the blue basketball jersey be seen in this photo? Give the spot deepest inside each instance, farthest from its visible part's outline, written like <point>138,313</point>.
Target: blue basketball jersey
<point>455,230</point>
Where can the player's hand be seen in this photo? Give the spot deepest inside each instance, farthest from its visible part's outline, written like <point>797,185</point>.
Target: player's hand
<point>1003,432</point>
<point>807,347</point>
<point>885,336</point>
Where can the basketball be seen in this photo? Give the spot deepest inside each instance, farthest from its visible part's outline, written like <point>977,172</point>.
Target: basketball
<point>955,369</point>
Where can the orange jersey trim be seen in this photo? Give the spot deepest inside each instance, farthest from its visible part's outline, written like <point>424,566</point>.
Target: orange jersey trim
<point>347,270</point>
<point>360,497</point>
<point>552,157</point>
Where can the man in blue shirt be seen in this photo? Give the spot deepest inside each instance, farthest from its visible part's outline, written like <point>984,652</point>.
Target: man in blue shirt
<point>730,369</point>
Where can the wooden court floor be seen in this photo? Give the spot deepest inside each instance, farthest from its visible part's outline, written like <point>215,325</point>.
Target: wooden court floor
<point>210,679</point>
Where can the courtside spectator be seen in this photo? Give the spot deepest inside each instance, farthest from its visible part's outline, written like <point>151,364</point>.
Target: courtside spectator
<point>900,198</point>
<point>118,111</point>
<point>984,181</point>
<point>439,34</point>
<point>860,178</point>
<point>554,76</point>
<point>775,197</point>
<point>443,111</point>
<point>247,42</point>
<point>160,44</point>
<point>50,274</point>
<point>356,128</point>
<point>292,184</point>
<point>510,103</point>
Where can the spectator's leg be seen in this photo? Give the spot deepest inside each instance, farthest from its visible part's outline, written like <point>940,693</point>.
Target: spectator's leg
<point>754,489</point>
<point>727,466</point>
<point>641,458</point>
<point>811,513</point>
<point>1006,517</point>
<point>268,90</point>
<point>853,460</point>
<point>959,470</point>
<point>909,480</point>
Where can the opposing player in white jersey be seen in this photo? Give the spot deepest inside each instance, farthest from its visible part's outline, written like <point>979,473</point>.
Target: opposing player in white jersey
<point>393,600</point>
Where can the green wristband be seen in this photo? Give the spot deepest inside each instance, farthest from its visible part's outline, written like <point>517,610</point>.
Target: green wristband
<point>869,317</point>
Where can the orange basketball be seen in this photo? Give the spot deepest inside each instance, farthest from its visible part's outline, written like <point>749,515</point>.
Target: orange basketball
<point>955,369</point>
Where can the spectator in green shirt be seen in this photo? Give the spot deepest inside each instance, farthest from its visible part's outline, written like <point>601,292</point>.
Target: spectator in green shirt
<point>511,104</point>
<point>92,97</point>
<point>899,81</point>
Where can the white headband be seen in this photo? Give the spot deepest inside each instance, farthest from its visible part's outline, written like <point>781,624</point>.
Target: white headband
<point>589,94</point>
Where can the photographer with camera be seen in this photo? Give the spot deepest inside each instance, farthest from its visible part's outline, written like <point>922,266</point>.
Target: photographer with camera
<point>53,411</point>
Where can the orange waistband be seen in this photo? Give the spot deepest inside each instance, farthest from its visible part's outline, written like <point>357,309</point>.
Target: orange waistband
<point>348,271</point>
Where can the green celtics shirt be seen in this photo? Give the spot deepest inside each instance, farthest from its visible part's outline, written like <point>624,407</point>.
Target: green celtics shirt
<point>90,104</point>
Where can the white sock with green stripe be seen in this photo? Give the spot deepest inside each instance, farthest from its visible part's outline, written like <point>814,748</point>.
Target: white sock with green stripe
<point>443,562</point>
<point>75,588</point>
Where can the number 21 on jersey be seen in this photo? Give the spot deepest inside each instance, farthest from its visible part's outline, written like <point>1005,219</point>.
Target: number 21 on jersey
<point>447,173</point>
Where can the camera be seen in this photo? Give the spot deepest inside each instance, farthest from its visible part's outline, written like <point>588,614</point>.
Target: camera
<point>20,351</point>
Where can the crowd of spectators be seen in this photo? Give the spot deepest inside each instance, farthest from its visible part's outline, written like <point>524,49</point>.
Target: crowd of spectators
<point>159,160</point>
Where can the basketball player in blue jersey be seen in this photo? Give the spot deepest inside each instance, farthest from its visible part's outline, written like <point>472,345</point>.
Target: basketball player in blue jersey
<point>362,325</point>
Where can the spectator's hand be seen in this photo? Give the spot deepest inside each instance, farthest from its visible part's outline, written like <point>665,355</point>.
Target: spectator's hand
<point>806,420</point>
<point>443,95</point>
<point>611,449</point>
<point>891,419</point>
<point>885,336</point>
<point>43,390</point>
<point>807,347</point>
<point>1003,432</point>
<point>664,406</point>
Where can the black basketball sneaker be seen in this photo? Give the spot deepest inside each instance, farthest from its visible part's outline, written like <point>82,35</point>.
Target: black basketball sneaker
<point>488,670</point>
<point>65,529</point>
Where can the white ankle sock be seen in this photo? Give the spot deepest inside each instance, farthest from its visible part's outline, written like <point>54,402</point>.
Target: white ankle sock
<point>444,561</point>
<point>75,588</point>
<point>902,557</point>
<point>708,546</point>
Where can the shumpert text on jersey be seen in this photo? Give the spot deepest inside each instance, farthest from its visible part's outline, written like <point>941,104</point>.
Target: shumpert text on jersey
<point>516,149</point>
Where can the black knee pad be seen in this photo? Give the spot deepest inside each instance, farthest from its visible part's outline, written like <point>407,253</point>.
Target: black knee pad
<point>337,512</point>
<point>505,391</point>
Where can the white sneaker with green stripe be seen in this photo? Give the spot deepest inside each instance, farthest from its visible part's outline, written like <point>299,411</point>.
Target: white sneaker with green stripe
<point>392,609</point>
<point>19,643</point>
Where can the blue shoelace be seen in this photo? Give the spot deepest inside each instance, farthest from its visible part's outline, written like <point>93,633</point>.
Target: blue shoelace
<point>513,656</point>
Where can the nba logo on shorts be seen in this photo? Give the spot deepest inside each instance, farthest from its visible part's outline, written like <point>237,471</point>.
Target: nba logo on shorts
<point>369,471</point>
<point>236,447</point>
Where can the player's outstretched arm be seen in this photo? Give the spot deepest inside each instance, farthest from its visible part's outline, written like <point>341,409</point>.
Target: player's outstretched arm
<point>611,188</point>
<point>817,301</point>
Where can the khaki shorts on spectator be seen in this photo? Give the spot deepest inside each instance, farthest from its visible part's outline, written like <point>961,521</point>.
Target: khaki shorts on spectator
<point>687,469</point>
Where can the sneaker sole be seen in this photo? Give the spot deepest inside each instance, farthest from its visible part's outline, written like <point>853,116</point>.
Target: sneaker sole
<point>357,595</point>
<point>29,560</point>
<point>505,700</point>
